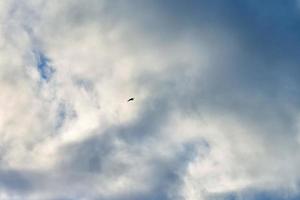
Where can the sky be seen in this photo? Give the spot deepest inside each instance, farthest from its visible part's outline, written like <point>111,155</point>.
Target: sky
<point>216,114</point>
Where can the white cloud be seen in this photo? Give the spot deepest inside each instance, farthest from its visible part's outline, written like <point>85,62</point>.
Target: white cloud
<point>76,136</point>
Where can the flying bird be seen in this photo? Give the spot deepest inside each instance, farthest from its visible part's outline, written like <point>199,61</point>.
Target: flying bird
<point>131,99</point>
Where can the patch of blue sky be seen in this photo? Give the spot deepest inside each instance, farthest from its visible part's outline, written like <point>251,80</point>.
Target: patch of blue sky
<point>63,113</point>
<point>44,68</point>
<point>60,116</point>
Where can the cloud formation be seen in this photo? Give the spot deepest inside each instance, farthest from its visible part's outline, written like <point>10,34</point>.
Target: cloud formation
<point>216,104</point>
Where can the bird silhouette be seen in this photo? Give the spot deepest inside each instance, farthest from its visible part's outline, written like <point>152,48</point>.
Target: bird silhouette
<point>131,99</point>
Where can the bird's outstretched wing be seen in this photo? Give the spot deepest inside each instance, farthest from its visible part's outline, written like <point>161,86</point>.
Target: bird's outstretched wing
<point>131,99</point>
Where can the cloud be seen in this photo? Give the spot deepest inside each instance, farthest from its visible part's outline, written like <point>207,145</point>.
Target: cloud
<point>216,104</point>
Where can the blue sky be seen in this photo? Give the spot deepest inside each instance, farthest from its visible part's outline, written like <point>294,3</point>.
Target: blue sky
<point>216,110</point>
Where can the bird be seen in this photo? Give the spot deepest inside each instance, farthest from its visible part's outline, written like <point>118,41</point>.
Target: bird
<point>131,99</point>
